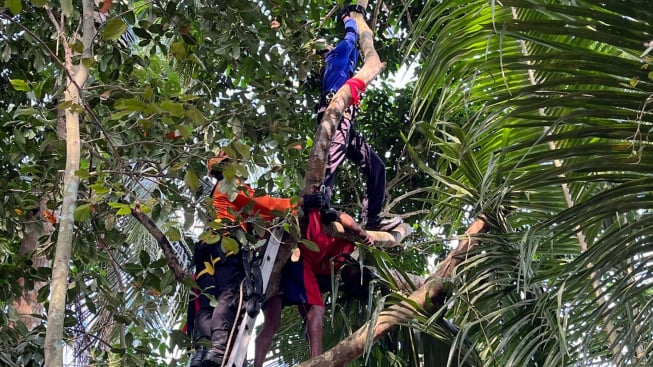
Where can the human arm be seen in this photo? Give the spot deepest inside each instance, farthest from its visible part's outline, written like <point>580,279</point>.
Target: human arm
<point>264,205</point>
<point>351,225</point>
<point>345,47</point>
<point>247,203</point>
<point>341,60</point>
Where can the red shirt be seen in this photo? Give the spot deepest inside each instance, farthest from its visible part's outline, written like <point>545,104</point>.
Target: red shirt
<point>331,248</point>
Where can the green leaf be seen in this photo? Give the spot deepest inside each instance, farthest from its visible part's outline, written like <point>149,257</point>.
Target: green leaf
<point>123,209</point>
<point>310,245</point>
<point>90,304</point>
<point>113,29</point>
<point>83,174</point>
<point>20,85</point>
<point>77,46</point>
<point>144,257</point>
<point>173,234</point>
<point>67,7</point>
<point>130,104</point>
<point>174,108</point>
<point>43,293</point>
<point>88,62</point>
<point>191,180</point>
<point>82,212</point>
<point>142,33</point>
<point>195,115</point>
<point>209,237</point>
<point>25,112</point>
<point>100,188</point>
<point>19,137</point>
<point>14,6</point>
<point>229,246</point>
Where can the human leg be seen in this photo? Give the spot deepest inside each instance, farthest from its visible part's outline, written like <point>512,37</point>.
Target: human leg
<point>372,167</point>
<point>337,151</point>
<point>202,309</point>
<point>202,321</point>
<point>272,313</point>
<point>228,277</point>
<point>222,322</point>
<point>314,323</point>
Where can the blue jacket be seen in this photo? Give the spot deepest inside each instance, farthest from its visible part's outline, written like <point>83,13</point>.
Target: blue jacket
<point>341,61</point>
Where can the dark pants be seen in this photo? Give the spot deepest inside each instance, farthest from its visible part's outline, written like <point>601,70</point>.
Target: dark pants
<point>347,143</point>
<point>220,278</point>
<point>228,276</point>
<point>203,256</point>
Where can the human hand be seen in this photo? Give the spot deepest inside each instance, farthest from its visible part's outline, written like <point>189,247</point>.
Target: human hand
<point>343,13</point>
<point>365,237</point>
<point>358,9</point>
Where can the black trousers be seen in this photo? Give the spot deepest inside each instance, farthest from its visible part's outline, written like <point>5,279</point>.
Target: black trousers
<point>220,276</point>
<point>228,277</point>
<point>204,271</point>
<point>347,143</point>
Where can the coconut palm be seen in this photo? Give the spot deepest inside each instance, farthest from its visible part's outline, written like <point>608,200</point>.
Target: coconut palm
<point>540,112</point>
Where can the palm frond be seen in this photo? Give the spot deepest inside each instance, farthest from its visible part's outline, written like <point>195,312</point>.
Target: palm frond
<point>541,112</point>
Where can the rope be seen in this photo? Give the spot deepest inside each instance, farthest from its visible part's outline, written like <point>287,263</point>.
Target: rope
<point>233,327</point>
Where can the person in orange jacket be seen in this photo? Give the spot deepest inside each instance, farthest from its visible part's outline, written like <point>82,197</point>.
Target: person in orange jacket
<point>221,266</point>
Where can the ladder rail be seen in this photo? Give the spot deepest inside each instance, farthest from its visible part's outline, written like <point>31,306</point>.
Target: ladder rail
<point>238,354</point>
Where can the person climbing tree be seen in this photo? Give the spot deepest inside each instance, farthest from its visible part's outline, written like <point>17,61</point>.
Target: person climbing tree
<point>307,274</point>
<point>340,62</point>
<point>224,259</point>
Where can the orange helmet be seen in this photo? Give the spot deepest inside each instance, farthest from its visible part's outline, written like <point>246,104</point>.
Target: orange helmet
<point>219,158</point>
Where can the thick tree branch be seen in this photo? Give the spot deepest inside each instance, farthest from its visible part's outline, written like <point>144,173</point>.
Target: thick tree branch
<point>430,297</point>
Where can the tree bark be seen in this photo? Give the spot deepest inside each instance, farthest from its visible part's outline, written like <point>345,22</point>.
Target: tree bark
<point>430,297</point>
<point>76,78</point>
<point>27,304</point>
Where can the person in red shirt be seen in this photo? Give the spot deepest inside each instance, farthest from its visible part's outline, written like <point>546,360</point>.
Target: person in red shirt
<point>302,276</point>
<point>220,265</point>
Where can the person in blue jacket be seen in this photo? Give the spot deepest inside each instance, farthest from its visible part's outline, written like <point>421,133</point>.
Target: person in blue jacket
<point>340,62</point>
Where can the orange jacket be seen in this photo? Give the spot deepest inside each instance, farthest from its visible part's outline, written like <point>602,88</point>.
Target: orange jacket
<point>262,205</point>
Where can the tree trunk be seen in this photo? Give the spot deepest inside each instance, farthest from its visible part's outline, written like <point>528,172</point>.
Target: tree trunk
<point>75,80</point>
<point>27,304</point>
